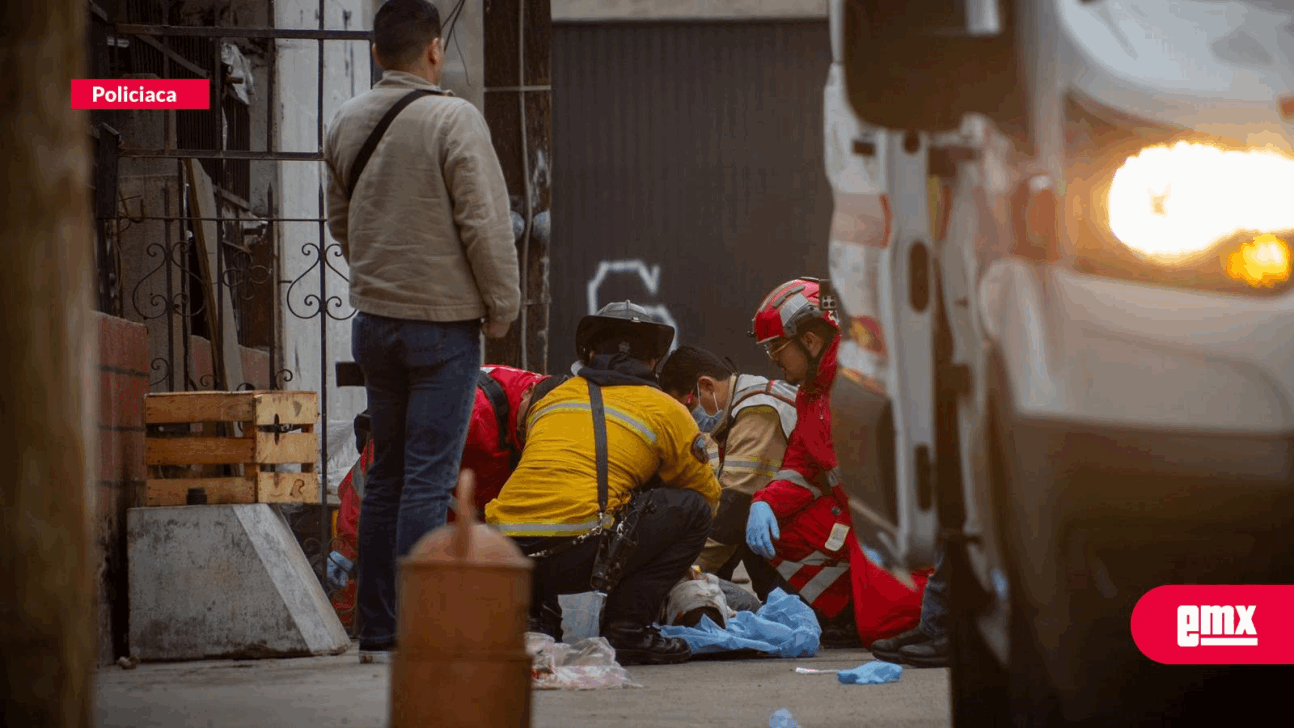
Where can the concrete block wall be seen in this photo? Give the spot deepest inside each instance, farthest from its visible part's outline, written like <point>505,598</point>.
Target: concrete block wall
<point>123,361</point>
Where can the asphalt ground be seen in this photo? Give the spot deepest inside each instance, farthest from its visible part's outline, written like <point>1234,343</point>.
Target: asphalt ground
<point>337,691</point>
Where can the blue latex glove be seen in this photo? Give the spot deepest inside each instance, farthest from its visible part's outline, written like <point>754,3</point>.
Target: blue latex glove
<point>761,529</point>
<point>339,568</point>
<point>782,719</point>
<point>871,673</point>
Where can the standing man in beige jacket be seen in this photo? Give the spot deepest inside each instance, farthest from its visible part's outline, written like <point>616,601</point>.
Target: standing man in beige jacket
<point>417,200</point>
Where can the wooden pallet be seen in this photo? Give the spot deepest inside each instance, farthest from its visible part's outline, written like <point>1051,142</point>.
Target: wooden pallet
<point>277,429</point>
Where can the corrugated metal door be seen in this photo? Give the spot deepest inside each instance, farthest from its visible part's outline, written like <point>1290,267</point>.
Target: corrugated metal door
<point>687,173</point>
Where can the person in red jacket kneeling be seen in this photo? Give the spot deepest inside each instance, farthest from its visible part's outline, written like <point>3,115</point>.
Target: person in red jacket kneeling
<point>493,447</point>
<point>800,521</point>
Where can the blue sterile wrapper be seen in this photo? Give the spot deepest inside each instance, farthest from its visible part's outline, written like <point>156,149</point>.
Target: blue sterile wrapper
<point>782,719</point>
<point>871,673</point>
<point>785,626</point>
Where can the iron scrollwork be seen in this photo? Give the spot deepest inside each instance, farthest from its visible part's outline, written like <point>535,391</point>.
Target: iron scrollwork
<point>317,304</point>
<point>170,257</point>
<point>160,363</point>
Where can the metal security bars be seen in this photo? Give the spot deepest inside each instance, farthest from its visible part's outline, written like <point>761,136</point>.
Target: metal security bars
<point>171,288</point>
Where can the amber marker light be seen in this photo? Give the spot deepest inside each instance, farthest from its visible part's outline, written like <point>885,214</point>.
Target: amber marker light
<point>1262,262</point>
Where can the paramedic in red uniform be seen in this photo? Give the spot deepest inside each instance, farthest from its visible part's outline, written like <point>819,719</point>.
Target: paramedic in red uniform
<point>800,520</point>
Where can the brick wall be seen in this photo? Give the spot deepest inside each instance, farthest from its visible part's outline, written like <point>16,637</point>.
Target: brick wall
<point>123,382</point>
<point>123,371</point>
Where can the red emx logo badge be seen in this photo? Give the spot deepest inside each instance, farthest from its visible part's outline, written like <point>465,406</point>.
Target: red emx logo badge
<point>1216,624</point>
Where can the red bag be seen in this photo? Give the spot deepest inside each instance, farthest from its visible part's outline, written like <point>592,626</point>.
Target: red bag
<point>883,606</point>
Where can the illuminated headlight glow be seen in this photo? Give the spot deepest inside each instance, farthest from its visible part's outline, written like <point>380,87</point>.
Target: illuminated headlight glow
<point>1174,203</point>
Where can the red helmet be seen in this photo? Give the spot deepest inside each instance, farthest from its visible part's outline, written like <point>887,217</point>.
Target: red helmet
<point>788,308</point>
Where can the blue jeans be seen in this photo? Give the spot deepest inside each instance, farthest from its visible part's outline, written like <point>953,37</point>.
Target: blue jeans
<point>421,382</point>
<point>934,604</point>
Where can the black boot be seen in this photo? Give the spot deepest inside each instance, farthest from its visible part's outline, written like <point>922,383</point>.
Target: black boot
<point>637,644</point>
<point>546,617</point>
<point>840,632</point>
<point>932,652</point>
<point>887,650</point>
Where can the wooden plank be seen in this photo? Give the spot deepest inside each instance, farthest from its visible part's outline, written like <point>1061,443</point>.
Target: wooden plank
<point>287,488</point>
<point>224,343</point>
<point>202,450</point>
<point>292,447</point>
<point>198,407</point>
<point>293,408</point>
<point>175,491</point>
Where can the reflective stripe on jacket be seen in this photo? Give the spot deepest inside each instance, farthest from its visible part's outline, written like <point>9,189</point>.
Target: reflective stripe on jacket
<point>754,391</point>
<point>554,491</point>
<point>820,580</point>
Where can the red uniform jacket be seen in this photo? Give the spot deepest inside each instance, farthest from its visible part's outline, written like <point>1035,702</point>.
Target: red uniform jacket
<point>485,453</point>
<point>817,552</point>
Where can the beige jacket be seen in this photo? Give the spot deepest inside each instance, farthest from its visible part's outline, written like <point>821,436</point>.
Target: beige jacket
<point>754,441</point>
<point>428,230</point>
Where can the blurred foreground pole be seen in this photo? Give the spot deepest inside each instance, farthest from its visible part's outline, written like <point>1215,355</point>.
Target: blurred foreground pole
<point>47,644</point>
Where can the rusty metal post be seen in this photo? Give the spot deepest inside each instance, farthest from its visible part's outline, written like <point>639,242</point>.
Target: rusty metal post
<point>47,637</point>
<point>518,109</point>
<point>463,612</point>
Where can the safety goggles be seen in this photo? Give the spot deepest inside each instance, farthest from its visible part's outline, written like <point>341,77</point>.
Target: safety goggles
<point>773,348</point>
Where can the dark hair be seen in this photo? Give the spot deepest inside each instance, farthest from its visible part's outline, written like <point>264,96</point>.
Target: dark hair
<point>403,29</point>
<point>822,329</point>
<point>680,372</point>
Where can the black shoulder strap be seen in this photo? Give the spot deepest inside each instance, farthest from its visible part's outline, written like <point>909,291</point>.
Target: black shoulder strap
<point>544,387</point>
<point>600,443</point>
<point>502,413</point>
<point>537,394</point>
<point>366,151</point>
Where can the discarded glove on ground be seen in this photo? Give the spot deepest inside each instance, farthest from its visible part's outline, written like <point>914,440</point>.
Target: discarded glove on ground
<point>586,665</point>
<point>785,627</point>
<point>871,673</point>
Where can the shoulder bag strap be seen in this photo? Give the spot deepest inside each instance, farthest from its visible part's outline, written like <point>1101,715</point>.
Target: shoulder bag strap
<point>366,151</point>
<point>502,413</point>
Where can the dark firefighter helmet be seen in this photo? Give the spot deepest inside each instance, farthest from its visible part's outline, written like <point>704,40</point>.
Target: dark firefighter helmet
<point>627,327</point>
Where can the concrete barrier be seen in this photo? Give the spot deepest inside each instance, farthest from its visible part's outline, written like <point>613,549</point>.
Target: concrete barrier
<point>223,581</point>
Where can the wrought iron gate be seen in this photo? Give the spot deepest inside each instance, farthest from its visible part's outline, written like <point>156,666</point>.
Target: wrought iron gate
<point>138,37</point>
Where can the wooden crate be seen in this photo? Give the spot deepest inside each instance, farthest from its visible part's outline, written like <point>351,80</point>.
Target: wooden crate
<point>277,428</point>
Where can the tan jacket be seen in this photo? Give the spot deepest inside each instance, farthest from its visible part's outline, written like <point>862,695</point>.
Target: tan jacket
<point>754,439</point>
<point>428,231</point>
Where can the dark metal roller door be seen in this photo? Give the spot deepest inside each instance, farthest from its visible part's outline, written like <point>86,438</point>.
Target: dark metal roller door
<point>687,173</point>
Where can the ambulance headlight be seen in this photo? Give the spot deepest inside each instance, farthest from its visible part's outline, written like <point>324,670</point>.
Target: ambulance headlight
<point>1173,204</point>
<point>1161,204</point>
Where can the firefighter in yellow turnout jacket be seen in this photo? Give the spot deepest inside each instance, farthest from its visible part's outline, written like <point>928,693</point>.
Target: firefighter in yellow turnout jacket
<point>654,456</point>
